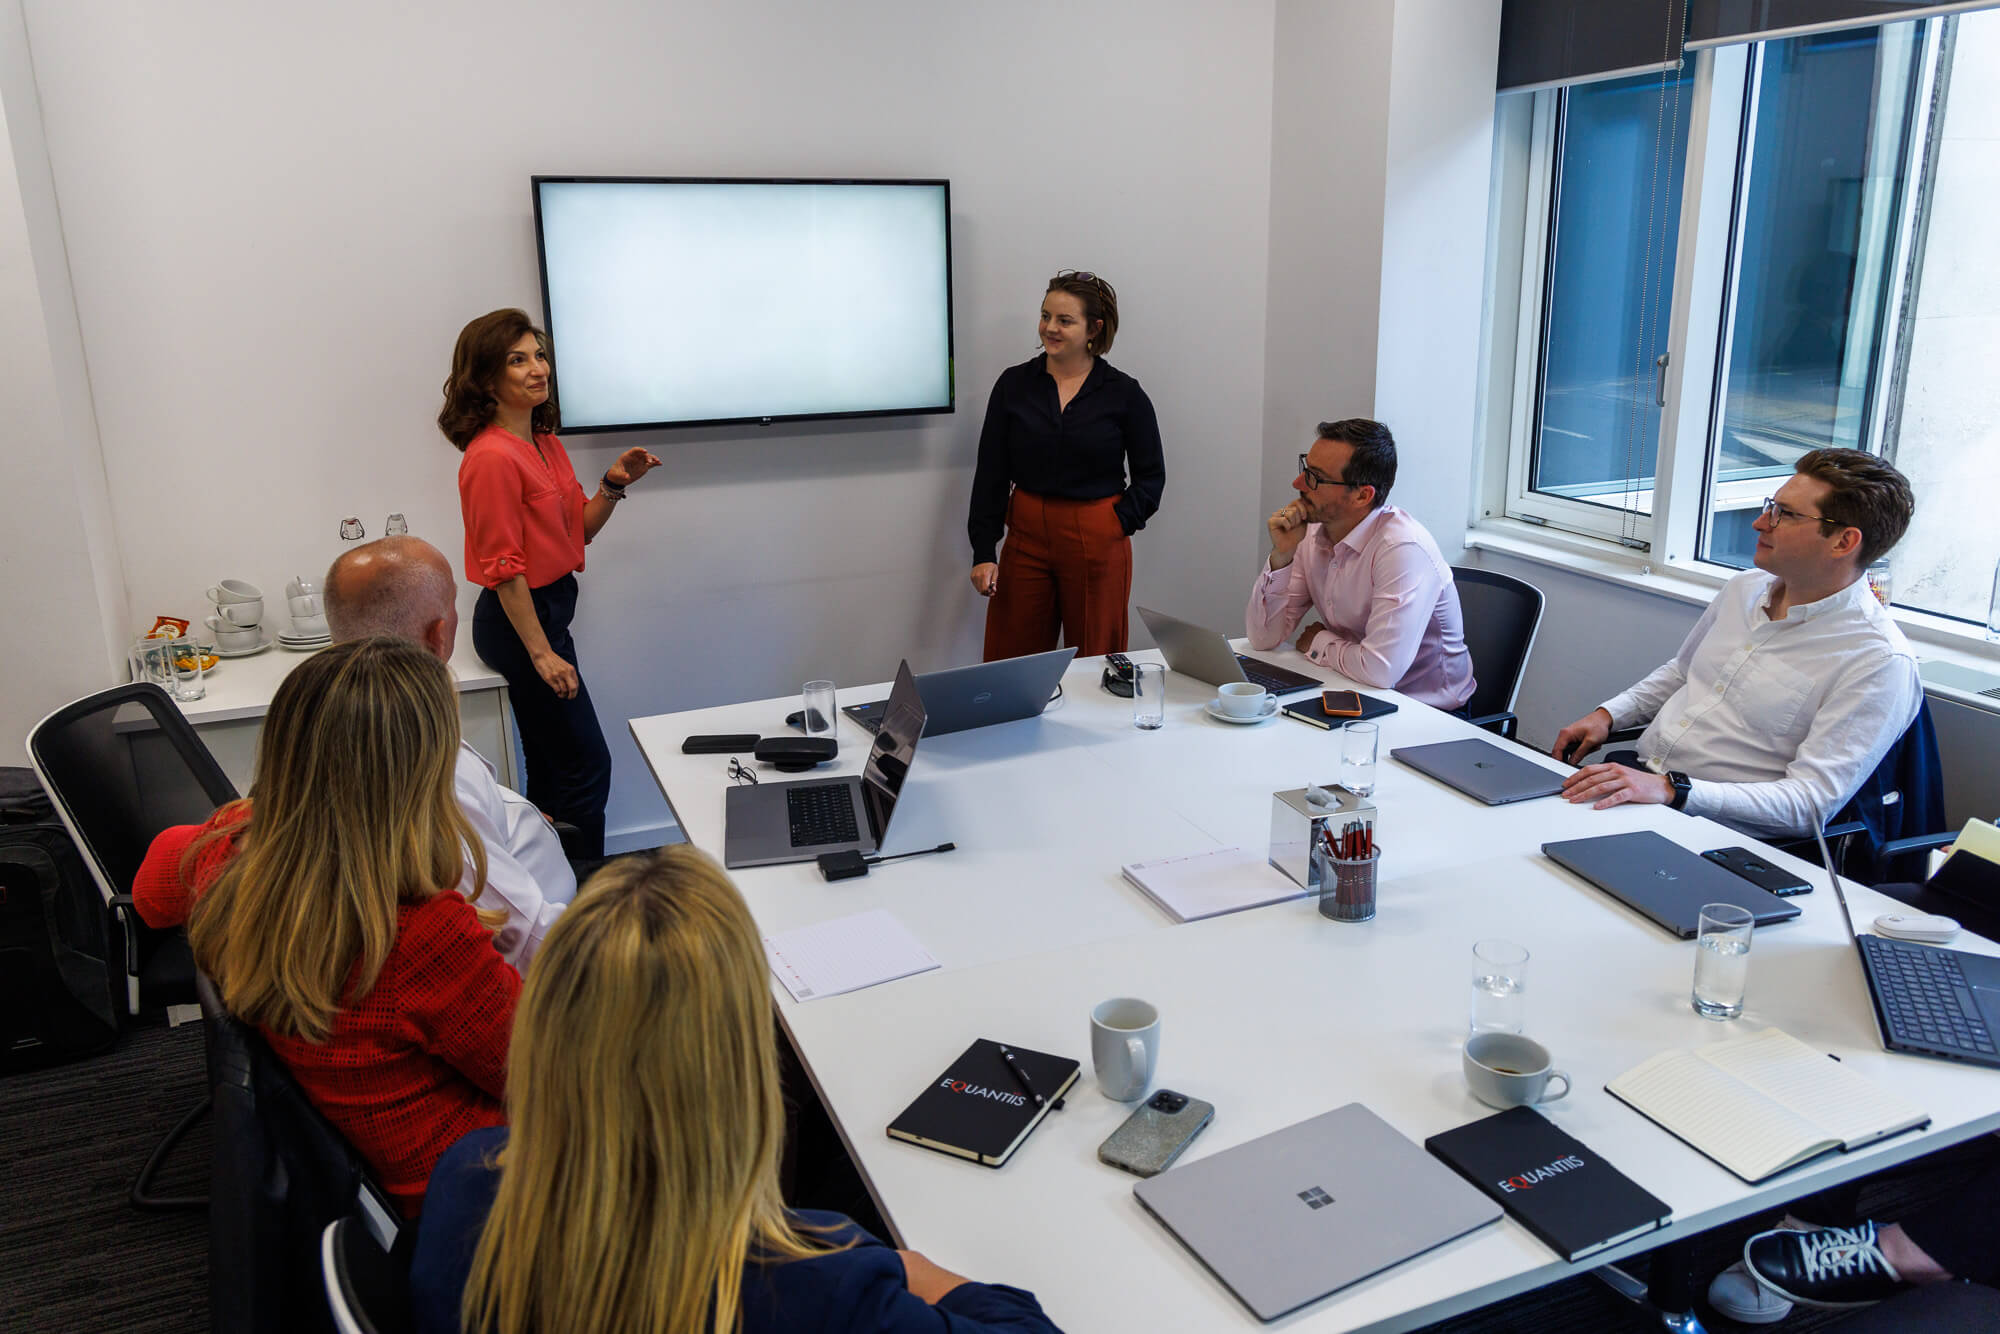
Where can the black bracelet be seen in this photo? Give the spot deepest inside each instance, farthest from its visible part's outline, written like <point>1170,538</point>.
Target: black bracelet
<point>611,488</point>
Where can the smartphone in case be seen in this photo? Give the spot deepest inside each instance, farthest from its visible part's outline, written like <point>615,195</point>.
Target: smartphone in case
<point>1154,1135</point>
<point>1758,871</point>
<point>1341,703</point>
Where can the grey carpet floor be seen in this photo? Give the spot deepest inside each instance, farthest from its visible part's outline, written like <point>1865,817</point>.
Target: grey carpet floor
<point>75,1256</point>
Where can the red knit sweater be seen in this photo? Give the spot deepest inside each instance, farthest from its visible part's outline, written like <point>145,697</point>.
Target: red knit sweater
<point>413,1065</point>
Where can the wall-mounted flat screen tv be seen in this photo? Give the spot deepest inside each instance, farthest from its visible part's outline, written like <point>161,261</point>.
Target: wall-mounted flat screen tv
<point>683,302</point>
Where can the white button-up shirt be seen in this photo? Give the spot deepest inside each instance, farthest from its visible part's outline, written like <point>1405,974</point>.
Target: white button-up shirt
<point>527,875</point>
<point>1778,722</point>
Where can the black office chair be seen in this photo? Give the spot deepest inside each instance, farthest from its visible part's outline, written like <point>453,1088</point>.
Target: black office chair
<point>120,766</point>
<point>1502,615</point>
<point>367,1289</point>
<point>1939,1307</point>
<point>281,1174</point>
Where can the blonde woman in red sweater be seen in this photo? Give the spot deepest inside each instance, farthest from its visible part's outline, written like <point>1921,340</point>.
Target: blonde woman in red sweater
<point>326,908</point>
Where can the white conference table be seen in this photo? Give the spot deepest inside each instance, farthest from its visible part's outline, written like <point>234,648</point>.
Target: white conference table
<point>1274,1014</point>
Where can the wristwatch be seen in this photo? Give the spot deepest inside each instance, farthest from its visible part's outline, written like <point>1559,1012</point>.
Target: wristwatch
<point>1682,785</point>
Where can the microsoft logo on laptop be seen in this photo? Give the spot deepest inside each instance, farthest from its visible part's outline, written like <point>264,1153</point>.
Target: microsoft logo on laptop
<point>1316,1198</point>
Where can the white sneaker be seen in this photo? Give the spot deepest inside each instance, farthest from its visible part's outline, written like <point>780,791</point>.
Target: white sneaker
<point>1736,1294</point>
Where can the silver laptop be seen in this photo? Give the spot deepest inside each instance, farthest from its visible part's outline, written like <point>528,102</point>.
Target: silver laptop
<point>1206,655</point>
<point>958,699</point>
<point>767,823</point>
<point>1482,770</point>
<point>1294,1215</point>
<point>1658,878</point>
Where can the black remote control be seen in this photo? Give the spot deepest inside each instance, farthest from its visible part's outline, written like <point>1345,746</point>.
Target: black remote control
<point>1117,675</point>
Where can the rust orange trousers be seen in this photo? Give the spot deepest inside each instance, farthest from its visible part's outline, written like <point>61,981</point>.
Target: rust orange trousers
<point>1065,568</point>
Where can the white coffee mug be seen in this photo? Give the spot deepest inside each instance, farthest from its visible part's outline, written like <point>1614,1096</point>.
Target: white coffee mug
<point>300,587</point>
<point>309,627</point>
<point>235,590</point>
<point>1508,1070</point>
<point>244,615</point>
<point>305,604</point>
<point>1242,699</point>
<point>1124,1046</point>
<point>233,637</point>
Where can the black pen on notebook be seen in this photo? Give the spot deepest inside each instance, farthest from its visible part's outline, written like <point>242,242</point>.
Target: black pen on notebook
<point>1007,1055</point>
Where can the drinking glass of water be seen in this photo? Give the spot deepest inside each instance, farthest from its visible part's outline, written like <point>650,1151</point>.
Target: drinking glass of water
<point>1149,695</point>
<point>1722,960</point>
<point>1357,757</point>
<point>1499,986</point>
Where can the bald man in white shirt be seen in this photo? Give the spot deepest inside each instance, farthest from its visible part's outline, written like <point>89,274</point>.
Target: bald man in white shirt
<point>1793,684</point>
<point>403,586</point>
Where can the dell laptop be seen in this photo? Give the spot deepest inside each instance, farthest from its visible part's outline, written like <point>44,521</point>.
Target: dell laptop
<point>767,823</point>
<point>1658,878</point>
<point>1296,1214</point>
<point>1206,655</point>
<point>1482,770</point>
<point>961,698</point>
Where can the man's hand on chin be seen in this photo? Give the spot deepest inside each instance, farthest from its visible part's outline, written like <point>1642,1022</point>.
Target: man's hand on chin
<point>1608,785</point>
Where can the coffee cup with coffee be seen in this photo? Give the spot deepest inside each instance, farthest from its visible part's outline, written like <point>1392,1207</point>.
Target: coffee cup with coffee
<point>1242,699</point>
<point>1507,1070</point>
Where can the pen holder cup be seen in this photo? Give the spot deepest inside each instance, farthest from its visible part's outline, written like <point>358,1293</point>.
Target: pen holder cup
<point>1299,826</point>
<point>1348,887</point>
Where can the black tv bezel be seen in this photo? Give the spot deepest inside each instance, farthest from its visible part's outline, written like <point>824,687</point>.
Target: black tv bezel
<point>950,404</point>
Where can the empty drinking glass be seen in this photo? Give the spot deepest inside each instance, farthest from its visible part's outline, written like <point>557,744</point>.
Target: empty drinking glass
<point>1722,960</point>
<point>1149,695</point>
<point>1499,986</point>
<point>1357,757</point>
<point>819,705</point>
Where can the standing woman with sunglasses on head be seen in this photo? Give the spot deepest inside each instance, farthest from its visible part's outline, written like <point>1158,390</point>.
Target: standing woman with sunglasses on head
<point>527,521</point>
<point>1070,466</point>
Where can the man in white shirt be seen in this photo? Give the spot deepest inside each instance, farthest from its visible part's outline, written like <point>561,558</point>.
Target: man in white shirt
<point>403,586</point>
<point>1793,684</point>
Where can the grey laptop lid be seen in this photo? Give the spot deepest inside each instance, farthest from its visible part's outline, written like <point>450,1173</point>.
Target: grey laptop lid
<point>1660,879</point>
<point>958,699</point>
<point>757,820</point>
<point>1193,650</point>
<point>1296,1214</point>
<point>1480,769</point>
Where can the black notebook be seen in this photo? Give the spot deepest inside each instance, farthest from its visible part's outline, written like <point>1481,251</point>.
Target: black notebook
<point>1311,710</point>
<point>1552,1184</point>
<point>980,1108</point>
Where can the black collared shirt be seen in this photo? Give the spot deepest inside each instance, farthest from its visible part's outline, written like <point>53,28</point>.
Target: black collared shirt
<point>1081,452</point>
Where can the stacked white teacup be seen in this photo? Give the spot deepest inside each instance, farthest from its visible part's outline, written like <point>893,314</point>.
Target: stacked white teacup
<point>238,620</point>
<point>309,629</point>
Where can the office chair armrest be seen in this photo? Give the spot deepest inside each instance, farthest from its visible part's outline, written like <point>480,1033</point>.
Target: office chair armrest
<point>126,909</point>
<point>1499,724</point>
<point>1918,843</point>
<point>1622,735</point>
<point>567,834</point>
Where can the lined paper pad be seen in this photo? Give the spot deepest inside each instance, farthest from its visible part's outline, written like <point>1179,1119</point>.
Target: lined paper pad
<point>846,954</point>
<point>1209,884</point>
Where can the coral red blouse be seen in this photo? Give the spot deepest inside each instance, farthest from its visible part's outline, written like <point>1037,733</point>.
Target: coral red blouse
<point>523,509</point>
<point>413,1065</point>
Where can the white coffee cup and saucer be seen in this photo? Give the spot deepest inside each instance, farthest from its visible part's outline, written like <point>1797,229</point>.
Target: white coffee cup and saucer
<point>1244,703</point>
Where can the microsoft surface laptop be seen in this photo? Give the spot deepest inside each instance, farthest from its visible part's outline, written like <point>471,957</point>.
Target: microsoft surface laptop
<point>1658,878</point>
<point>767,823</point>
<point>1482,770</point>
<point>1206,655</point>
<point>958,699</point>
<point>1296,1214</point>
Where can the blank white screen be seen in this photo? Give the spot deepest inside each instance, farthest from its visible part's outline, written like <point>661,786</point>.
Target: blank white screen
<point>676,302</point>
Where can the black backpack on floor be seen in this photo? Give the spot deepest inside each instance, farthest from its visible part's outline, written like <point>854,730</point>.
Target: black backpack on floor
<point>59,991</point>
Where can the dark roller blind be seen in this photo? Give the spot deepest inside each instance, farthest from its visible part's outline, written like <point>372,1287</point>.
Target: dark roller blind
<point>1544,43</point>
<point>1722,22</point>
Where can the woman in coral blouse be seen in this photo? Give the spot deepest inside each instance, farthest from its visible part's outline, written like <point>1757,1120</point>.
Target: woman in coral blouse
<point>526,524</point>
<point>325,908</point>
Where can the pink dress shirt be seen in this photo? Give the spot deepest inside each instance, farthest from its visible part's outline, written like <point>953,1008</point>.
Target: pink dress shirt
<point>1389,604</point>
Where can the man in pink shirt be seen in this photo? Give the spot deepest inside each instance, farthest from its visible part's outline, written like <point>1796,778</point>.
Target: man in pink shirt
<point>1389,614</point>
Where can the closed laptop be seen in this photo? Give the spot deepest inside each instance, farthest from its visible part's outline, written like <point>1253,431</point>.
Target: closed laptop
<point>1482,770</point>
<point>1661,879</point>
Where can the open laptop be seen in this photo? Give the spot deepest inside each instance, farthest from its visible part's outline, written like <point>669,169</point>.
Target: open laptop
<point>1928,1000</point>
<point>1658,878</point>
<point>1294,1215</point>
<point>1206,655</point>
<point>767,823</point>
<point>961,698</point>
<point>1482,770</point>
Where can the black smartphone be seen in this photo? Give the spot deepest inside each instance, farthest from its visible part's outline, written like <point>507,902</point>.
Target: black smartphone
<point>719,743</point>
<point>1758,871</point>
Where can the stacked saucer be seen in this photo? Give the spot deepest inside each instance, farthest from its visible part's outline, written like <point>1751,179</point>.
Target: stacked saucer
<point>309,629</point>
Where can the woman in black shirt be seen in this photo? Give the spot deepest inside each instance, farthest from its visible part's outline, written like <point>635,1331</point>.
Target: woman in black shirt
<point>1062,434</point>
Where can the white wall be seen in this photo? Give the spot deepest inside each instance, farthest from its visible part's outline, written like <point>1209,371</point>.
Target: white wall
<point>63,589</point>
<point>278,217</point>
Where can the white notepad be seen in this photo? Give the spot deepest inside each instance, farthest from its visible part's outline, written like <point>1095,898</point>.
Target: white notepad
<point>1762,1103</point>
<point>846,954</point>
<point>1209,884</point>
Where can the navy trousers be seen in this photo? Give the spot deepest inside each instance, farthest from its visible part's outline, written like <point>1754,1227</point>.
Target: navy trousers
<point>569,766</point>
